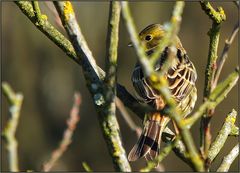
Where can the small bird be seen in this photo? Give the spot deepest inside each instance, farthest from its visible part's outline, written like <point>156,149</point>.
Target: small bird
<point>181,77</point>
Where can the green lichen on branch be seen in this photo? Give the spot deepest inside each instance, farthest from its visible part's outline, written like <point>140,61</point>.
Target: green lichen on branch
<point>217,17</point>
<point>15,100</point>
<point>228,160</point>
<point>216,97</point>
<point>48,29</point>
<point>63,43</point>
<point>222,136</point>
<point>235,131</point>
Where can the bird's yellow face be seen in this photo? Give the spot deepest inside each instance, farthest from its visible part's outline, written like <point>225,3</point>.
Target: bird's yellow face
<point>151,36</point>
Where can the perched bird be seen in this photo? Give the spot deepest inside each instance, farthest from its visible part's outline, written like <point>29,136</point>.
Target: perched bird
<point>181,77</point>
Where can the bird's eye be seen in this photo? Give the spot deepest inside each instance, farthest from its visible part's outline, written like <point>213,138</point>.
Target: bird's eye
<point>148,37</point>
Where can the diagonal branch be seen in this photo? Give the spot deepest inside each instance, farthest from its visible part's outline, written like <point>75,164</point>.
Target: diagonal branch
<point>216,97</point>
<point>222,136</point>
<point>67,136</point>
<point>228,160</point>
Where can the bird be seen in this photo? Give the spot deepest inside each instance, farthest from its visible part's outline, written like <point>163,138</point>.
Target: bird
<point>181,77</point>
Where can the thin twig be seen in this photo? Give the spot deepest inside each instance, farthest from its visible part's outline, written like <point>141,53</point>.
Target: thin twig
<point>15,100</point>
<point>50,6</point>
<point>67,136</point>
<point>216,97</point>
<point>222,136</point>
<point>217,17</point>
<point>224,54</point>
<point>228,160</point>
<point>127,117</point>
<point>160,83</point>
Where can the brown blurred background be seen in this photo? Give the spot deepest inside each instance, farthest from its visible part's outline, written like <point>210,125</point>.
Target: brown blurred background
<point>32,64</point>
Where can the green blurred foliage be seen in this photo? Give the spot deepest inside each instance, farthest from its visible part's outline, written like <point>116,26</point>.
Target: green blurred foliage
<point>32,64</point>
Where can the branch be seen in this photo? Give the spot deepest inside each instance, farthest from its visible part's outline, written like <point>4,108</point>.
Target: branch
<point>217,17</point>
<point>127,117</point>
<point>64,44</point>
<point>224,54</point>
<point>37,12</point>
<point>67,136</point>
<point>78,41</point>
<point>48,29</point>
<point>222,136</point>
<point>15,100</point>
<point>216,97</point>
<point>160,83</point>
<point>228,160</point>
<point>100,93</point>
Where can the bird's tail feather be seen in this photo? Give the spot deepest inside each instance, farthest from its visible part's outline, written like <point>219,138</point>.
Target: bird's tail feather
<point>149,142</point>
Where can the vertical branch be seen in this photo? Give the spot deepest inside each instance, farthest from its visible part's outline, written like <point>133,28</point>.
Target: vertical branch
<point>217,17</point>
<point>15,100</point>
<point>102,95</point>
<point>112,45</point>
<point>108,117</point>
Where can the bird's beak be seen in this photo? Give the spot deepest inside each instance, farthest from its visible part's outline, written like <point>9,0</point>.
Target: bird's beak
<point>130,44</point>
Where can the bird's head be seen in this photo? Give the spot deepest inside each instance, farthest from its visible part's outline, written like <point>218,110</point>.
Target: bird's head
<point>151,36</point>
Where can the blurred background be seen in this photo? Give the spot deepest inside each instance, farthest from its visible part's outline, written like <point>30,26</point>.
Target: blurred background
<point>33,65</point>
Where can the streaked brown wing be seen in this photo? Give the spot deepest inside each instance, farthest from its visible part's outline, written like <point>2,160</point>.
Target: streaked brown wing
<point>141,86</point>
<point>181,77</point>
